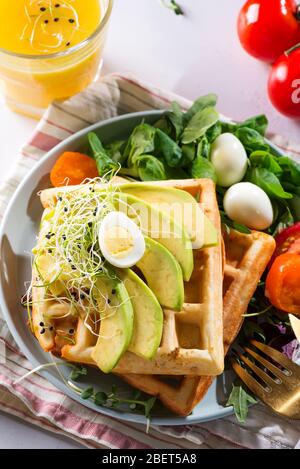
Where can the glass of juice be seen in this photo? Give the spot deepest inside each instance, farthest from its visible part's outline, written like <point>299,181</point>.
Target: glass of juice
<point>49,49</point>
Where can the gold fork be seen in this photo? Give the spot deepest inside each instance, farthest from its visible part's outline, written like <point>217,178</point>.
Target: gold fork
<point>280,392</point>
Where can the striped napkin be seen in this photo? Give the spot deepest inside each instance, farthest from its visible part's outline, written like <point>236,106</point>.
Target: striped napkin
<point>39,402</point>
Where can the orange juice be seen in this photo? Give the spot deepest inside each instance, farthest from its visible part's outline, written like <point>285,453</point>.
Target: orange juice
<point>49,49</point>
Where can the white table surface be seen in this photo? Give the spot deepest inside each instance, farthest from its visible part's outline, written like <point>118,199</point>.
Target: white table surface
<point>191,55</point>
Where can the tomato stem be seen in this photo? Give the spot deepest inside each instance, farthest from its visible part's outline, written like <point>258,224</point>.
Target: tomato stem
<point>292,49</point>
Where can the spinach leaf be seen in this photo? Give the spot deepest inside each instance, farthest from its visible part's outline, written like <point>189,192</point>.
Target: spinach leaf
<point>164,124</point>
<point>115,151</point>
<point>291,170</point>
<point>258,123</point>
<point>210,100</point>
<point>251,139</point>
<point>240,400</point>
<point>199,124</point>
<point>228,223</point>
<point>188,154</point>
<point>294,205</point>
<point>167,148</point>
<point>175,116</point>
<point>264,159</point>
<point>150,168</point>
<point>175,173</point>
<point>203,168</point>
<point>103,161</point>
<point>284,220</point>
<point>214,132</point>
<point>203,148</point>
<point>268,182</point>
<point>141,141</point>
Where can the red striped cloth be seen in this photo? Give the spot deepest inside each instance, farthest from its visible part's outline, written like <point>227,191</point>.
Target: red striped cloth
<point>39,402</point>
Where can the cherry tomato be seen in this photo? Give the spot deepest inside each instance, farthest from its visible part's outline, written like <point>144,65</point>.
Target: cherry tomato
<point>288,241</point>
<point>284,83</point>
<point>267,28</point>
<point>283,283</point>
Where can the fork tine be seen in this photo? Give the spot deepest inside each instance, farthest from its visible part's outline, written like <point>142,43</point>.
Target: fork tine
<point>258,371</point>
<point>278,357</point>
<point>250,382</point>
<point>272,368</point>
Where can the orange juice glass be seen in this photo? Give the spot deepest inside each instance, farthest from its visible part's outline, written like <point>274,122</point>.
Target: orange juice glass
<point>49,49</point>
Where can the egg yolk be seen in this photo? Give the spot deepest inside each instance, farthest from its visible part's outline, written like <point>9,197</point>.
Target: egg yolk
<point>118,242</point>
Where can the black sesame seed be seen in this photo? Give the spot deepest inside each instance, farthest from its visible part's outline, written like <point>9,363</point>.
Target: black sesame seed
<point>71,20</point>
<point>43,9</point>
<point>113,292</point>
<point>108,300</point>
<point>46,21</point>
<point>50,251</point>
<point>68,44</point>
<point>82,296</point>
<point>65,209</point>
<point>90,224</point>
<point>57,5</point>
<point>48,236</point>
<point>42,331</point>
<point>60,198</point>
<point>64,237</point>
<point>71,331</point>
<point>51,328</point>
<point>73,267</point>
<point>56,20</point>
<point>41,324</point>
<point>52,234</point>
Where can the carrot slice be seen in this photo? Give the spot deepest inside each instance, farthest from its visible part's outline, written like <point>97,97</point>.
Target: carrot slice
<point>72,168</point>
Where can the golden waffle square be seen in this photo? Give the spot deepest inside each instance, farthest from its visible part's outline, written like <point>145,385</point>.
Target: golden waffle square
<point>246,257</point>
<point>192,342</point>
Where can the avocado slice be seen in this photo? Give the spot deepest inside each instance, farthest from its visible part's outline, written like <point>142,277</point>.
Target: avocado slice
<point>160,226</point>
<point>50,273</point>
<point>148,316</point>
<point>116,327</point>
<point>168,198</point>
<point>156,264</point>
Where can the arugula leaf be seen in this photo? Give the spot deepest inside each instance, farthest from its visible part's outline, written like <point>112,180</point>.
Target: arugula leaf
<point>150,168</point>
<point>268,182</point>
<point>199,124</point>
<point>264,159</point>
<point>210,100</point>
<point>203,168</point>
<point>167,148</point>
<point>240,400</point>
<point>103,161</point>
<point>100,398</point>
<point>251,139</point>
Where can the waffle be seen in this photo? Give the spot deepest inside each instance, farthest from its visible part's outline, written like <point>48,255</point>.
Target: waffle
<point>192,342</point>
<point>246,259</point>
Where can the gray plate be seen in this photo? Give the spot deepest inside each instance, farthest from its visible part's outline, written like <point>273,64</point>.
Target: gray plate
<point>18,236</point>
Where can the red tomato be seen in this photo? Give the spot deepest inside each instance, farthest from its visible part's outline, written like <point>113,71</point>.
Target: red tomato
<point>284,83</point>
<point>288,241</point>
<point>267,28</point>
<point>283,283</point>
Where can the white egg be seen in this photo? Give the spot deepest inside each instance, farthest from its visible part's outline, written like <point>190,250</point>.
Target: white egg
<point>249,205</point>
<point>229,158</point>
<point>121,241</point>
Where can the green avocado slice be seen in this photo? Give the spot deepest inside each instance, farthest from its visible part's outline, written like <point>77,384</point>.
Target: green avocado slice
<point>168,198</point>
<point>156,264</point>
<point>148,316</point>
<point>160,226</point>
<point>116,327</point>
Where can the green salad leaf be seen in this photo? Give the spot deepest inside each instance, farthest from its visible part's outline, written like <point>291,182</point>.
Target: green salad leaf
<point>168,149</point>
<point>203,168</point>
<point>199,124</point>
<point>240,399</point>
<point>103,161</point>
<point>267,181</point>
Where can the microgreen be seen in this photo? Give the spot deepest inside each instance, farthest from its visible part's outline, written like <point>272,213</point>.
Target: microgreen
<point>173,5</point>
